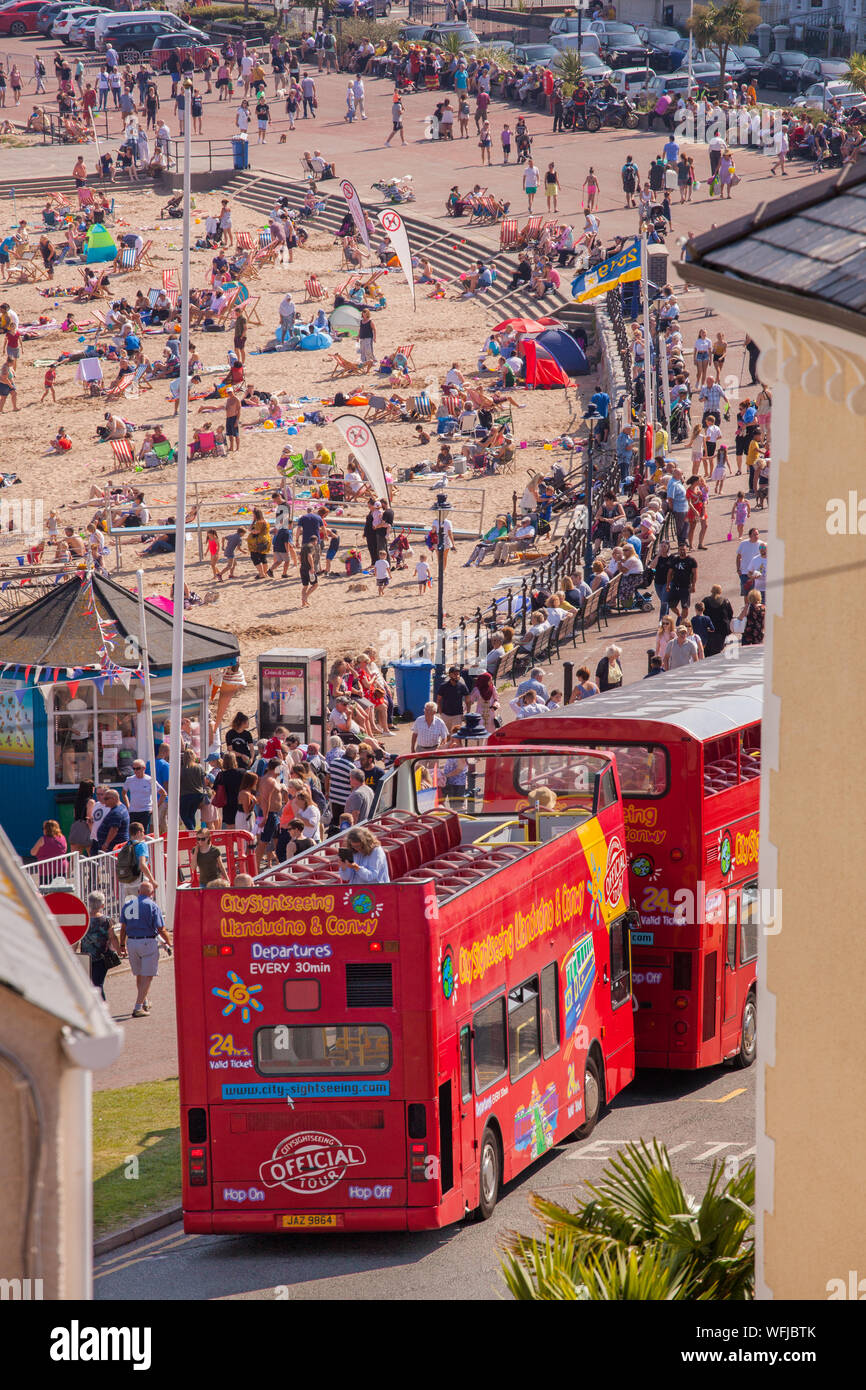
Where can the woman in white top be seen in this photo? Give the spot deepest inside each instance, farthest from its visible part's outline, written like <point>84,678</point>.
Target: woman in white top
<point>307,811</point>
<point>697,444</point>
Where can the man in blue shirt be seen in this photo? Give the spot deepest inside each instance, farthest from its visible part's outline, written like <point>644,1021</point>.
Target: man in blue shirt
<point>114,827</point>
<point>671,151</point>
<point>601,402</point>
<point>678,503</point>
<point>141,922</point>
<point>534,682</point>
<point>624,453</point>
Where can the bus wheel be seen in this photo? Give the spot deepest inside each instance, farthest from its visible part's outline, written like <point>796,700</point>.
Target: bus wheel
<point>749,1042</point>
<point>593,1098</point>
<point>489,1176</point>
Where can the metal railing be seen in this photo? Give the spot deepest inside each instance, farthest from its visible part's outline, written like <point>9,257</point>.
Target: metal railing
<point>82,874</point>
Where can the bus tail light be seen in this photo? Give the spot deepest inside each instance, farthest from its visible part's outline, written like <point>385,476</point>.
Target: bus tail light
<point>681,1002</point>
<point>212,948</point>
<point>682,970</point>
<point>198,1168</point>
<point>680,1026</point>
<point>676,855</point>
<point>417,1162</point>
<point>375,946</point>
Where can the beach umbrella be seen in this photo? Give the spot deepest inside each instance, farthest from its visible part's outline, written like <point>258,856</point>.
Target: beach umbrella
<point>527,325</point>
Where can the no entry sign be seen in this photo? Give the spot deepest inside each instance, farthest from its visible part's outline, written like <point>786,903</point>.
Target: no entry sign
<point>71,914</point>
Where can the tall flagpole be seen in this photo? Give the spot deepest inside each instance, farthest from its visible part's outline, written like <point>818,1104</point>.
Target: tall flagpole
<point>176,700</point>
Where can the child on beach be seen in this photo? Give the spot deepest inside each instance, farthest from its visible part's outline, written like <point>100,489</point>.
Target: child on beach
<point>213,552</point>
<point>61,442</point>
<point>422,574</point>
<point>721,465</point>
<point>382,569</point>
<point>48,382</point>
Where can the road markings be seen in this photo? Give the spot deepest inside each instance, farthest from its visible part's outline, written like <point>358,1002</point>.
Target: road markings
<point>604,1149</point>
<point>717,1100</point>
<point>154,1251</point>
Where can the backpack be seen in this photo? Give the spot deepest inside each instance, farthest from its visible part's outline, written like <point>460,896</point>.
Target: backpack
<point>127,864</point>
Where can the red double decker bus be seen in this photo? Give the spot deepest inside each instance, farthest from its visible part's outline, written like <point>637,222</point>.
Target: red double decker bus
<point>383,1056</point>
<point>688,751</point>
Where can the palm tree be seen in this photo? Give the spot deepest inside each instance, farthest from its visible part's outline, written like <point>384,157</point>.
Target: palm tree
<point>857,71</point>
<point>718,26</point>
<point>641,1236</point>
<point>569,67</point>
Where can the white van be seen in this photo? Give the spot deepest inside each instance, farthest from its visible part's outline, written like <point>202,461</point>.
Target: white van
<point>630,82</point>
<point>112,18</point>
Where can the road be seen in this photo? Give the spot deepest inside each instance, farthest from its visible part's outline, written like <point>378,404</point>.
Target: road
<point>700,1117</point>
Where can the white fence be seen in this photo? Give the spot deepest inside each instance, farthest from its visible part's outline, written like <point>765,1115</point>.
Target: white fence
<point>82,874</point>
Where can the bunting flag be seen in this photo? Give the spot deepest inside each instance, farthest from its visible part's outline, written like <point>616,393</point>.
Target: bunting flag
<point>616,270</point>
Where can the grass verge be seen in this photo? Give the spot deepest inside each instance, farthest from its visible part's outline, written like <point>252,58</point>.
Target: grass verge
<point>136,1153</point>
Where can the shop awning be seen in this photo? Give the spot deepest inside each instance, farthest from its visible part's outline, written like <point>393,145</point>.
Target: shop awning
<point>60,630</point>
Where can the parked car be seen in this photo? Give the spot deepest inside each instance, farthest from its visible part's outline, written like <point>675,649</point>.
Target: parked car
<point>46,17</point>
<point>109,20</point>
<point>438,33</point>
<point>751,58</point>
<point>662,44</point>
<point>133,40</point>
<point>19,19</point>
<point>782,70</point>
<point>68,16</point>
<point>564,25</point>
<point>704,76</point>
<point>629,82</point>
<point>413,33</point>
<point>620,45</point>
<point>528,55</point>
<point>367,9</point>
<point>821,70</point>
<point>820,94</point>
<point>593,66</point>
<point>84,26</point>
<point>180,44</point>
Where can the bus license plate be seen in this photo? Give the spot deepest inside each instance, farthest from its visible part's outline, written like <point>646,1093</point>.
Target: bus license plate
<point>294,1222</point>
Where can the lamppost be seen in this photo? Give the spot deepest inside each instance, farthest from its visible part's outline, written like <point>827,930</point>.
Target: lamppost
<point>441,507</point>
<point>590,415</point>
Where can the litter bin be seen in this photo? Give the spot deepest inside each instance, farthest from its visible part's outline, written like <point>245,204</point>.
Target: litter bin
<point>412,682</point>
<point>241,152</point>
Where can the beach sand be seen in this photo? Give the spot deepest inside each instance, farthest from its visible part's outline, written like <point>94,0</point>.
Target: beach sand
<point>343,614</point>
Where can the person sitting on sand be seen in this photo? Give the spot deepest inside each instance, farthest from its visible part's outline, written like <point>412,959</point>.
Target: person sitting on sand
<point>115,427</point>
<point>61,442</point>
<point>155,436</point>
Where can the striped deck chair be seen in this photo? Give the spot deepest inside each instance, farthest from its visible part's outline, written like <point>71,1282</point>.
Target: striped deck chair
<point>249,306</point>
<point>532,231</point>
<point>508,233</point>
<point>244,241</point>
<point>120,389</point>
<point>227,309</point>
<point>265,238</point>
<point>313,289</point>
<point>169,280</point>
<point>452,404</point>
<point>127,258</point>
<point>422,406</point>
<point>407,349</point>
<point>122,450</point>
<point>172,296</point>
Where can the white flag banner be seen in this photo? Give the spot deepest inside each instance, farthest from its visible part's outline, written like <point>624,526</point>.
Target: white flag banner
<point>362,442</point>
<point>663,368</point>
<point>399,239</point>
<point>350,193</point>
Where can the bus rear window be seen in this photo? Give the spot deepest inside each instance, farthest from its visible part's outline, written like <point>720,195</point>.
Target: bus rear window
<point>642,767</point>
<point>324,1049</point>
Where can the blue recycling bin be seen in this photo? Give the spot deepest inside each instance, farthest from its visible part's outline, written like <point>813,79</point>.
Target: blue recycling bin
<point>412,680</point>
<point>241,152</point>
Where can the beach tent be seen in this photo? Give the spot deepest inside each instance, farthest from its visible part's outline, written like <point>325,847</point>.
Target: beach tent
<point>565,349</point>
<point>345,321</point>
<point>542,369</point>
<point>314,341</point>
<point>101,245</point>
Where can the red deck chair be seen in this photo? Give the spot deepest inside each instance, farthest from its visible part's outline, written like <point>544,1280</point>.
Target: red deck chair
<point>407,350</point>
<point>122,450</point>
<point>508,233</point>
<point>313,288</point>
